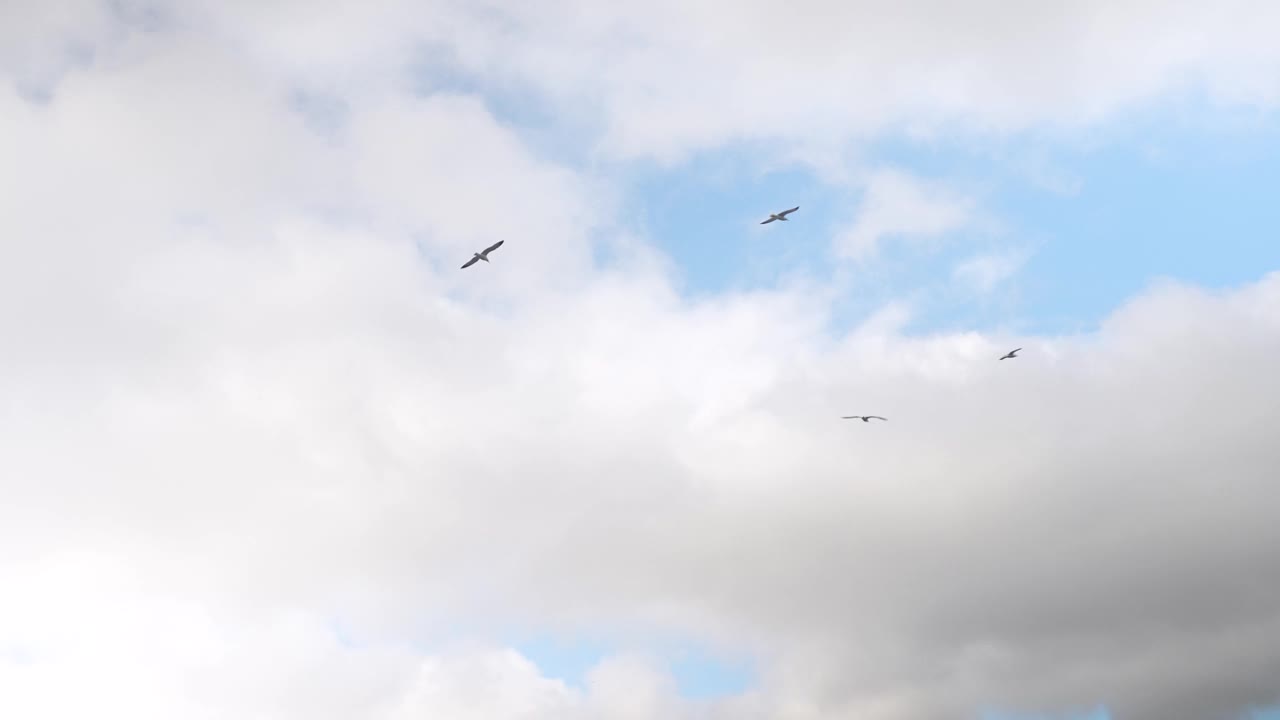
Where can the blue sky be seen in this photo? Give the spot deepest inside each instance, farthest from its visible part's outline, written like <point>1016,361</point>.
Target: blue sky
<point>1089,218</point>
<point>1158,197</point>
<point>1174,189</point>
<point>379,481</point>
<point>1185,193</point>
<point>1188,197</point>
<point>697,672</point>
<point>1181,191</point>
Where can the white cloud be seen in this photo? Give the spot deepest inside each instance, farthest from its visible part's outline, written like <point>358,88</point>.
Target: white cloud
<point>665,78</point>
<point>897,205</point>
<point>668,77</point>
<point>486,685</point>
<point>245,392</point>
<point>982,273</point>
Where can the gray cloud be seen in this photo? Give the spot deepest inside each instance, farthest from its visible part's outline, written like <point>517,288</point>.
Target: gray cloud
<point>245,392</point>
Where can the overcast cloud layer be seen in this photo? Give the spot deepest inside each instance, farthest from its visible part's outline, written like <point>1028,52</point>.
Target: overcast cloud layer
<point>246,395</point>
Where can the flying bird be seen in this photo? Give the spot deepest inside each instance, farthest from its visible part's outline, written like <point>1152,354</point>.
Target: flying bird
<point>1011,354</point>
<point>780,216</point>
<point>863,418</point>
<point>483,255</point>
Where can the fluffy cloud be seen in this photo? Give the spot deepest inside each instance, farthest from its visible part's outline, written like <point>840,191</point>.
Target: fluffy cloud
<point>665,78</point>
<point>896,205</point>
<point>248,398</point>
<point>488,684</point>
<point>984,272</point>
<point>662,79</point>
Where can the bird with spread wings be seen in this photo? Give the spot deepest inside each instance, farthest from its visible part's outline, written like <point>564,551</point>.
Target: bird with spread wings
<point>780,215</point>
<point>483,255</point>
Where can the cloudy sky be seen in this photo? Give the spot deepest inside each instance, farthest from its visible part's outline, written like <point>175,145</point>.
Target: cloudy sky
<point>267,453</point>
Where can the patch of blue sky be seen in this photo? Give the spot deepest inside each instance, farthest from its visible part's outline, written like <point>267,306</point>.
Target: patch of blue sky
<point>1182,190</point>
<point>698,672</point>
<point>537,120</point>
<point>569,652</point>
<point>1267,713</point>
<point>565,658</point>
<point>1196,209</point>
<point>1098,218</point>
<point>706,215</point>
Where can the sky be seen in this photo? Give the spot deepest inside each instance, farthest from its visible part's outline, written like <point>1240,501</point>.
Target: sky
<point>267,451</point>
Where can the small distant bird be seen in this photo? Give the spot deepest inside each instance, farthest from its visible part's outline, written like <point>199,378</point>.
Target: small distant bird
<point>780,216</point>
<point>863,418</point>
<point>483,255</point>
<point>1011,354</point>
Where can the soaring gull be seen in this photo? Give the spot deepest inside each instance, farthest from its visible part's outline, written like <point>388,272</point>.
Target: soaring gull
<point>483,255</point>
<point>780,216</point>
<point>863,418</point>
<point>1011,354</point>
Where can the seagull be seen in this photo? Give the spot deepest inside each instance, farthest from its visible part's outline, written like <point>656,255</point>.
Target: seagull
<point>780,216</point>
<point>483,255</point>
<point>1012,354</point>
<point>863,418</point>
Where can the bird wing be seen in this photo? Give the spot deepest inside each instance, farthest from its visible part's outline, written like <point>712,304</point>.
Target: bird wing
<point>785,213</point>
<point>877,417</point>
<point>470,262</point>
<point>493,247</point>
<point>766,222</point>
<point>850,417</point>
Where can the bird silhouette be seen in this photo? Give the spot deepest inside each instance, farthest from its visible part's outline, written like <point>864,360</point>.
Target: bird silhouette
<point>780,215</point>
<point>483,255</point>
